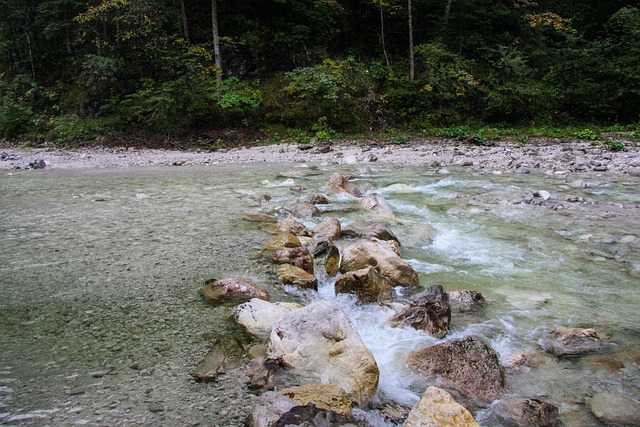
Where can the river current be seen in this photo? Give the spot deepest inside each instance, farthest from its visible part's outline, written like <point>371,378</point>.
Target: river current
<point>100,272</point>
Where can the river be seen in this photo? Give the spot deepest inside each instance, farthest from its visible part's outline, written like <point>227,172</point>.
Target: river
<point>101,321</point>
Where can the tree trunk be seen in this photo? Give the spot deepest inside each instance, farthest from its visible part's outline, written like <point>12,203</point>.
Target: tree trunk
<point>384,47</point>
<point>412,67</point>
<point>216,44</point>
<point>185,22</point>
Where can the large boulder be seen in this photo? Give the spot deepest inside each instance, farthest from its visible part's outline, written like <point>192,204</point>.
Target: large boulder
<point>320,344</point>
<point>520,412</point>
<point>562,341</point>
<point>467,366</point>
<point>427,311</point>
<point>339,182</point>
<point>259,316</point>
<point>616,409</point>
<point>300,257</point>
<point>367,284</point>
<point>369,229</point>
<point>377,204</point>
<point>374,252</point>
<point>437,408</point>
<point>328,230</point>
<point>327,255</point>
<point>232,291</point>
<point>292,275</point>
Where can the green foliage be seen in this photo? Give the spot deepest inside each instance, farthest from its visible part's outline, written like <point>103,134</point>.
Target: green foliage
<point>236,96</point>
<point>16,114</point>
<point>586,134</point>
<point>465,133</point>
<point>70,128</point>
<point>615,145</point>
<point>442,87</point>
<point>332,90</point>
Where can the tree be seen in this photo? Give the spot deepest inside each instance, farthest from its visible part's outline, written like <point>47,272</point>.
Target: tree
<point>216,43</point>
<point>412,62</point>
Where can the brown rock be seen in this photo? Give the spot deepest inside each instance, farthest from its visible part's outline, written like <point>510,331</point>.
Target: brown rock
<point>377,204</point>
<point>232,291</point>
<point>562,341</point>
<point>329,229</point>
<point>300,257</point>
<point>341,183</point>
<point>367,284</point>
<point>283,240</point>
<point>467,366</point>
<point>369,229</point>
<point>303,209</point>
<point>375,252</point>
<point>324,396</point>
<point>327,254</point>
<point>437,408</point>
<point>290,225</point>
<point>318,199</point>
<point>292,275</point>
<point>225,353</point>
<point>520,412</point>
<point>428,311</point>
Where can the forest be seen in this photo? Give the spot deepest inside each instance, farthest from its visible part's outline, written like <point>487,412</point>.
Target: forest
<point>72,71</point>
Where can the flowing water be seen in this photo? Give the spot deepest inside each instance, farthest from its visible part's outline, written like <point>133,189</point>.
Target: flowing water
<point>101,321</point>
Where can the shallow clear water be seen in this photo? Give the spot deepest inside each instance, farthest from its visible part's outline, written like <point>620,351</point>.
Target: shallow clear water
<point>126,251</point>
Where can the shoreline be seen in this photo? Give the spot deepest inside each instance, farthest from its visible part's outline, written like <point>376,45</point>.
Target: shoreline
<point>544,155</point>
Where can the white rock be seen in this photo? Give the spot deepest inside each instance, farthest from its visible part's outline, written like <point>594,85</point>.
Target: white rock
<point>259,316</point>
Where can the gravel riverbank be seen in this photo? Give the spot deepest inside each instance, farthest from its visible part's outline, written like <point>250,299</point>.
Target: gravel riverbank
<point>547,155</point>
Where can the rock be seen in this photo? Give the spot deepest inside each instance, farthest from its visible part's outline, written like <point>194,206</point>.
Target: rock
<point>259,316</point>
<point>468,366</point>
<point>268,409</point>
<point>322,396</point>
<point>232,291</point>
<point>318,199</point>
<point>523,170</point>
<point>310,416</point>
<point>283,240</point>
<point>416,235</point>
<point>292,275</point>
<point>562,341</point>
<point>466,300</point>
<point>303,209</point>
<point>428,311</point>
<point>339,182</point>
<point>258,351</point>
<point>319,342</point>
<point>377,204</point>
<point>329,229</point>
<point>367,284</point>
<point>437,408</point>
<point>260,377</point>
<point>616,409</point>
<point>38,164</point>
<point>381,254</point>
<point>299,257</point>
<point>226,353</point>
<point>268,219</point>
<point>327,255</point>
<point>545,195</point>
<point>290,225</point>
<point>520,412</point>
<point>369,229</point>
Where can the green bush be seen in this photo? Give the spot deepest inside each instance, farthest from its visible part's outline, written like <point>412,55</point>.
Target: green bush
<point>615,145</point>
<point>70,128</point>
<point>16,118</point>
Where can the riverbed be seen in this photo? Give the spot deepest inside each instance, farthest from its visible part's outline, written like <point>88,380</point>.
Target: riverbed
<point>102,323</point>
